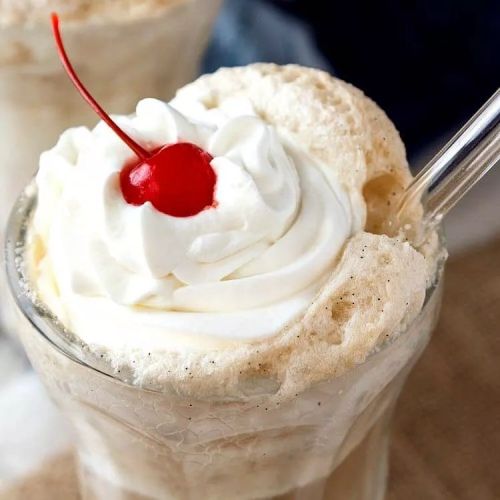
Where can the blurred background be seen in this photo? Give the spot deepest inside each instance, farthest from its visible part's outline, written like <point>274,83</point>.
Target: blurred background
<point>430,64</point>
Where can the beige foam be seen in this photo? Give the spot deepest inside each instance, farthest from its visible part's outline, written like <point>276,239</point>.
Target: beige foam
<point>379,283</point>
<point>377,288</point>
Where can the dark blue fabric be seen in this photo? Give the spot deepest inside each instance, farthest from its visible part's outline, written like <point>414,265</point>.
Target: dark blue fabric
<point>429,63</point>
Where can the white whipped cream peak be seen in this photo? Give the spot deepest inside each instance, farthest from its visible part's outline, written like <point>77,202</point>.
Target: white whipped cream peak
<point>269,242</point>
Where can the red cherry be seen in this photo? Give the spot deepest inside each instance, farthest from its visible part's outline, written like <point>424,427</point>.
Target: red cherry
<point>177,179</point>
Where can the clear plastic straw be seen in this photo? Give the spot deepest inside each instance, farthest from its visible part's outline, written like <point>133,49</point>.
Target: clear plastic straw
<point>469,155</point>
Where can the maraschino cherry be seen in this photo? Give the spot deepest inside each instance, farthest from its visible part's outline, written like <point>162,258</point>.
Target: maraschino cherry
<point>177,178</point>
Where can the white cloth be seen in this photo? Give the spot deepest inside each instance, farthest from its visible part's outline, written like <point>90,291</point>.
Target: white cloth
<point>31,428</point>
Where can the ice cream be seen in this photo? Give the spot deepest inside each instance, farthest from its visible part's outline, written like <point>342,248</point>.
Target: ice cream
<point>278,253</point>
<point>263,340</point>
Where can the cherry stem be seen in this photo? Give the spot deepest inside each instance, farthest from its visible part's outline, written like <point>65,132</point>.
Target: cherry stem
<point>134,146</point>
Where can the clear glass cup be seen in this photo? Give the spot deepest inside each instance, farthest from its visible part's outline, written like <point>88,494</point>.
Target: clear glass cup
<point>328,442</point>
<point>121,60</point>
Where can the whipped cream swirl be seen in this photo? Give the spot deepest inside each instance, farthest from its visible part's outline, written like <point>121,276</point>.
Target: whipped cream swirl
<point>237,271</point>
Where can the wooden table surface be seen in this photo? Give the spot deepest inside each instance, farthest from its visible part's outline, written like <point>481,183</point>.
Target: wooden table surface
<point>446,440</point>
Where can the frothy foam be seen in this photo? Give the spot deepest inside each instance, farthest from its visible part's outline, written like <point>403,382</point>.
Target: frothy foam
<point>279,289</point>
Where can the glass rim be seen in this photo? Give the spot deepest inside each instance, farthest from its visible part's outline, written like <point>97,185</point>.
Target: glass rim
<point>50,328</point>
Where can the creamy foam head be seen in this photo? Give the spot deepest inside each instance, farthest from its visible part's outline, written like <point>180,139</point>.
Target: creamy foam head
<point>255,288</point>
